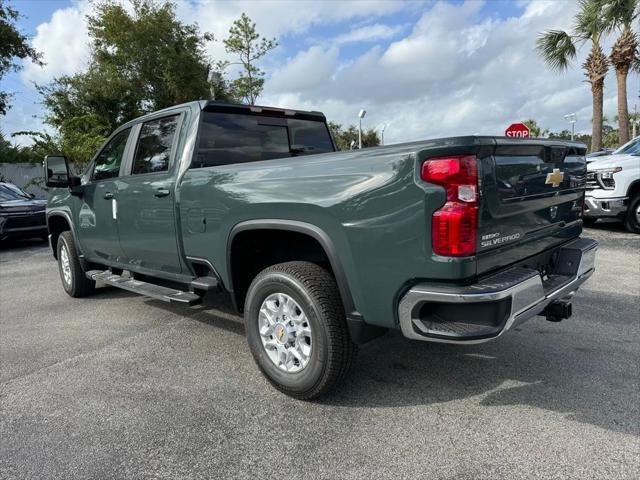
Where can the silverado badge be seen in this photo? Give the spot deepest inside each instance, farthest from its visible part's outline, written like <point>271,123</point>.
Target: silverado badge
<point>555,178</point>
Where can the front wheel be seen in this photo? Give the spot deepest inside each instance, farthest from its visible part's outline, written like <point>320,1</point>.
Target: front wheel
<point>297,330</point>
<point>632,218</point>
<point>74,281</point>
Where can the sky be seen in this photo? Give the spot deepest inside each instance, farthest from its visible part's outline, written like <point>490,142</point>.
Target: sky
<point>421,69</point>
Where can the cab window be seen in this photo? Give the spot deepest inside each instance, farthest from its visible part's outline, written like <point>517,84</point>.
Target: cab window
<point>107,164</point>
<point>153,151</point>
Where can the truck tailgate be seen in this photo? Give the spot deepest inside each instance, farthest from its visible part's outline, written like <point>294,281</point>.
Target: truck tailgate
<point>532,193</point>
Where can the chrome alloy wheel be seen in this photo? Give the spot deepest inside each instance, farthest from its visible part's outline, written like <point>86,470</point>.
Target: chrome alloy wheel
<point>64,262</point>
<point>637,213</point>
<point>285,332</point>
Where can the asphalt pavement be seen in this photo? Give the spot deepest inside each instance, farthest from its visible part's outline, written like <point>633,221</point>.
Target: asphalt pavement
<point>119,386</point>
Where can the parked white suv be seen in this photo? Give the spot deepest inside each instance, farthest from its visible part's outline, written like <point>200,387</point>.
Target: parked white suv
<point>613,186</point>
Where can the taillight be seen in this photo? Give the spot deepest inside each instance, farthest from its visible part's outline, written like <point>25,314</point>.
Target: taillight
<point>454,227</point>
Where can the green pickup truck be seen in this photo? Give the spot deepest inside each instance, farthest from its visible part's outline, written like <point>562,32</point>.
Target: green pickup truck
<point>451,240</point>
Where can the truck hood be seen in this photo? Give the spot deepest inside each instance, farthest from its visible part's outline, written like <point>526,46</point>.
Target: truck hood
<point>612,161</point>
<point>26,205</point>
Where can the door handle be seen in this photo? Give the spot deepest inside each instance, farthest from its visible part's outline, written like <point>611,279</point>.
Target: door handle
<point>161,192</point>
<point>108,196</point>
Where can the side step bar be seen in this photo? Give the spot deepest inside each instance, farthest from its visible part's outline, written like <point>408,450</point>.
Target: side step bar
<point>144,288</point>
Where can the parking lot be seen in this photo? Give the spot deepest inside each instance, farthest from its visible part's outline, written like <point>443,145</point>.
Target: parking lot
<point>118,386</point>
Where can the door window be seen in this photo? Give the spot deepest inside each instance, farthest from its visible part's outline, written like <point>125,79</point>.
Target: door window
<point>107,164</point>
<point>153,151</point>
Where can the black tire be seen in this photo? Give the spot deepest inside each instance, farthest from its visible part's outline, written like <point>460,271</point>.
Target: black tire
<point>589,221</point>
<point>78,284</point>
<point>631,222</point>
<point>332,351</point>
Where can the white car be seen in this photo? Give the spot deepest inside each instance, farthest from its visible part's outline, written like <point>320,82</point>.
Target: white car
<point>613,186</point>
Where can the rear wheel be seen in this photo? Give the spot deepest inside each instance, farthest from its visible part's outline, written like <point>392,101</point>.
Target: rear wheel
<point>74,281</point>
<point>296,329</point>
<point>632,218</point>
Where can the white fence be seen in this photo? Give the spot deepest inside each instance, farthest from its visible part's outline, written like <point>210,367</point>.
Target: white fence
<point>28,176</point>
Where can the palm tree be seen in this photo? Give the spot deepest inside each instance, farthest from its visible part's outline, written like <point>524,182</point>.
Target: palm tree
<point>619,15</point>
<point>558,48</point>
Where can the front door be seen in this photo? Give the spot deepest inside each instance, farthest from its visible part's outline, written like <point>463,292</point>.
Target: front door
<point>146,201</point>
<point>97,227</point>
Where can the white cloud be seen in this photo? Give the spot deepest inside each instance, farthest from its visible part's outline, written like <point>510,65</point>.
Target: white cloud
<point>308,70</point>
<point>64,44</point>
<point>279,18</point>
<point>369,33</point>
<point>455,71</point>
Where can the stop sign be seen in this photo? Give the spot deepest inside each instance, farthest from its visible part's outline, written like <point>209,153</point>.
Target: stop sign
<point>517,130</point>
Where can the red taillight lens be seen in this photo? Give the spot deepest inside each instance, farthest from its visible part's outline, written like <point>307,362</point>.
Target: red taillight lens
<point>454,227</point>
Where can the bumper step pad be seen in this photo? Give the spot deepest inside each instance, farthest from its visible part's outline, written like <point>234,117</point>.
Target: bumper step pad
<point>482,311</point>
<point>144,288</point>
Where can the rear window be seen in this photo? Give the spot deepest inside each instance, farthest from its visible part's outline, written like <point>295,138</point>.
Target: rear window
<point>235,138</point>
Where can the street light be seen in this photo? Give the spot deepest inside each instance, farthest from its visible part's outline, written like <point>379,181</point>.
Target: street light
<point>571,118</point>
<point>384,126</point>
<point>361,115</point>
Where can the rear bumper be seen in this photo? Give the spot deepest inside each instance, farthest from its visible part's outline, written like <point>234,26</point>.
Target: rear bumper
<point>604,207</point>
<point>485,310</point>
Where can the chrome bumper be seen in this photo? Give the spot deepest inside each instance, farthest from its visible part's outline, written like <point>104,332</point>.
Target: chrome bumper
<point>516,293</point>
<point>604,207</point>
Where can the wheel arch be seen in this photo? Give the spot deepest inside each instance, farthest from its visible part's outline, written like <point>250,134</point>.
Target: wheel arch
<point>58,222</point>
<point>633,189</point>
<point>310,230</point>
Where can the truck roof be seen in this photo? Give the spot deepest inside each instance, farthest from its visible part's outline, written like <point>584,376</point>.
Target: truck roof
<point>216,106</point>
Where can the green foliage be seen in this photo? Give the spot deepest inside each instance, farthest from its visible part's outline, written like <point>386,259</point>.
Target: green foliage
<point>556,48</point>
<point>12,153</point>
<point>343,138</point>
<point>245,42</point>
<point>619,13</point>
<point>143,59</point>
<point>536,130</point>
<point>590,23</point>
<point>609,133</point>
<point>13,44</point>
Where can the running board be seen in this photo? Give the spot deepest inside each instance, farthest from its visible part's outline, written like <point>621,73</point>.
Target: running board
<point>144,288</point>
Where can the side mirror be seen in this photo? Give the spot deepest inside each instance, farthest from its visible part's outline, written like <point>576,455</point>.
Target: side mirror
<point>56,171</point>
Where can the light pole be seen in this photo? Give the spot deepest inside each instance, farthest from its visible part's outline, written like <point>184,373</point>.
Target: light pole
<point>361,115</point>
<point>384,126</point>
<point>571,118</point>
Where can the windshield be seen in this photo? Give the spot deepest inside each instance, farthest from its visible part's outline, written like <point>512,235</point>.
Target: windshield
<point>11,192</point>
<point>630,148</point>
<point>227,138</point>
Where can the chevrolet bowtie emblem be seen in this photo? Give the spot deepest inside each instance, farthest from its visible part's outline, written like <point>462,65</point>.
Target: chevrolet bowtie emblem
<point>555,178</point>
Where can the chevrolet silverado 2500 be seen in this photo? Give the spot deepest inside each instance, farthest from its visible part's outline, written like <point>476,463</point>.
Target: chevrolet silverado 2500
<point>450,240</point>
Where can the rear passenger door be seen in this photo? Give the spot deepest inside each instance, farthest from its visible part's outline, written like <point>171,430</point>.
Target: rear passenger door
<point>146,197</point>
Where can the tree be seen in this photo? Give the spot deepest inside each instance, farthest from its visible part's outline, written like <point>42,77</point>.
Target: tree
<point>12,153</point>
<point>344,138</point>
<point>13,44</point>
<point>536,130</point>
<point>619,15</point>
<point>143,59</point>
<point>245,42</point>
<point>558,48</point>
